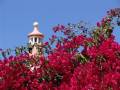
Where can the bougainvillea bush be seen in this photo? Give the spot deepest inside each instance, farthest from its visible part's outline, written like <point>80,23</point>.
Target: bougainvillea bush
<point>65,66</point>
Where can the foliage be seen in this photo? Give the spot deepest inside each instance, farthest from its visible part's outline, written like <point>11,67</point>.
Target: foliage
<point>65,67</point>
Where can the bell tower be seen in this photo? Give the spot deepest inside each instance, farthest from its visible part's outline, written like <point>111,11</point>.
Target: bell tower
<point>35,40</point>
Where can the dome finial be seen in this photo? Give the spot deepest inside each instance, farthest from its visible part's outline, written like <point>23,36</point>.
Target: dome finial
<point>35,23</point>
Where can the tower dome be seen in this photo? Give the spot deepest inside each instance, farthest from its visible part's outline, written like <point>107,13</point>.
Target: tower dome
<point>35,31</point>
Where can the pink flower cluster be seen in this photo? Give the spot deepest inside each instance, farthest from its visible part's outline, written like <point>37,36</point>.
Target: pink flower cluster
<point>96,67</point>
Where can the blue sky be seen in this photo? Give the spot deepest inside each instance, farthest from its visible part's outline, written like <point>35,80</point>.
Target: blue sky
<point>17,16</point>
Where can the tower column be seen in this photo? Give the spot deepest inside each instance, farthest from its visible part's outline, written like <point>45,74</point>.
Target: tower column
<point>37,40</point>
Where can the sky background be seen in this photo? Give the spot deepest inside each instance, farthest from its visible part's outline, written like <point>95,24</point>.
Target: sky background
<point>17,16</point>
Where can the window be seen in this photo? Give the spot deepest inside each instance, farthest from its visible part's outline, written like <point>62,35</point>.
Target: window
<point>35,39</point>
<point>39,40</point>
<point>32,39</point>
